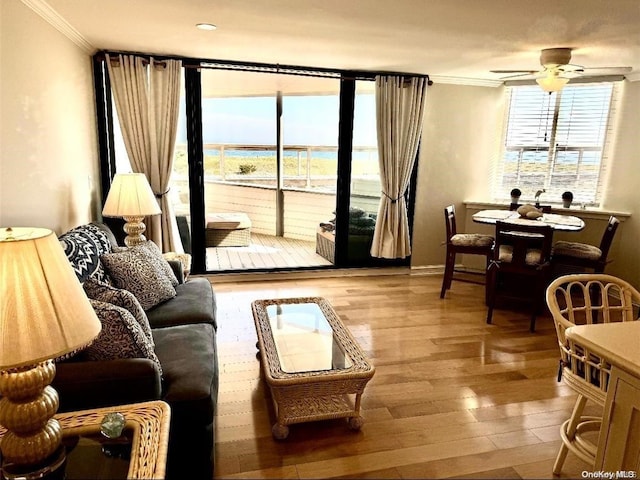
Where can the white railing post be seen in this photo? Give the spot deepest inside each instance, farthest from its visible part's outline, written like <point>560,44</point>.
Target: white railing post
<point>222,165</point>
<point>308,167</point>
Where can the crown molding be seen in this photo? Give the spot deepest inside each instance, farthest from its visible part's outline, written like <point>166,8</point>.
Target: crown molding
<point>633,77</point>
<point>42,8</point>
<point>474,82</point>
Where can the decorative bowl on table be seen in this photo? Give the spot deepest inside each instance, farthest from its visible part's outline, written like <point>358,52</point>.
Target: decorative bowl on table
<point>529,211</point>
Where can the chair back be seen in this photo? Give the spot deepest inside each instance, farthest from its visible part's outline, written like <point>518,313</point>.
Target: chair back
<point>607,237</point>
<point>450,221</point>
<point>522,247</point>
<point>583,299</point>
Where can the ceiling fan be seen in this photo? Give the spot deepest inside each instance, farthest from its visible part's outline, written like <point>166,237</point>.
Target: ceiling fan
<point>557,71</point>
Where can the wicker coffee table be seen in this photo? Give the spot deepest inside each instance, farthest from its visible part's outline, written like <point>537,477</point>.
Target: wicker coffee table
<point>312,364</point>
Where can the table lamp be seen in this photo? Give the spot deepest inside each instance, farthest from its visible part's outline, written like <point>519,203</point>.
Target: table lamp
<point>131,198</point>
<point>44,314</point>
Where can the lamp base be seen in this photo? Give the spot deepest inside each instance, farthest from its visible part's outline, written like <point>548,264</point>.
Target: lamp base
<point>134,228</point>
<point>27,406</point>
<point>51,468</point>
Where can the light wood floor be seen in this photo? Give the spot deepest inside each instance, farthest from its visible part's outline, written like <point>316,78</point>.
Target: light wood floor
<point>451,396</point>
<point>265,252</point>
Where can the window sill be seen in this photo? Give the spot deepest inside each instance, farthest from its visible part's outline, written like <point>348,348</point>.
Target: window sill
<point>587,213</point>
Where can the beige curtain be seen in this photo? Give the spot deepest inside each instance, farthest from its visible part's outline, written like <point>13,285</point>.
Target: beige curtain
<point>147,96</point>
<point>399,110</point>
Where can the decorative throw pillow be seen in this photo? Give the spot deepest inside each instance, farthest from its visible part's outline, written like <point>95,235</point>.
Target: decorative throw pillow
<point>161,262</point>
<point>120,298</point>
<point>83,246</point>
<point>136,270</point>
<point>121,336</point>
<point>156,256</point>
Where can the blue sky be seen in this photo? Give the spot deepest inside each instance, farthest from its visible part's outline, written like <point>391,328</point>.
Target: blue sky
<point>307,120</point>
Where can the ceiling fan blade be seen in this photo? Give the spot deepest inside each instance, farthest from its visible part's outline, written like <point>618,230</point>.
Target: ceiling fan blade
<point>607,70</point>
<point>520,75</point>
<point>524,72</point>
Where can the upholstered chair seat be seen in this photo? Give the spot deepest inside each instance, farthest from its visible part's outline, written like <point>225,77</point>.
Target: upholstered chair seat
<point>472,240</point>
<point>532,257</point>
<point>577,250</point>
<point>582,256</point>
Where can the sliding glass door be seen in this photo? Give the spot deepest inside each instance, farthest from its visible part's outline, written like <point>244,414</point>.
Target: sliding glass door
<point>269,156</point>
<point>272,169</point>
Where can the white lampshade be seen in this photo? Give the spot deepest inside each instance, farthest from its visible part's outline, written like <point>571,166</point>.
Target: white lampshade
<point>130,196</point>
<point>553,82</point>
<point>44,312</point>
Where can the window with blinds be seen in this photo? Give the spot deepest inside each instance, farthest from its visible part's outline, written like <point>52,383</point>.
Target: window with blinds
<point>557,142</point>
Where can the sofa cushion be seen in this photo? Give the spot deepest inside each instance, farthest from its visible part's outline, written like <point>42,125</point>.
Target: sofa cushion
<point>136,270</point>
<point>190,378</point>
<point>120,298</point>
<point>121,336</point>
<point>194,303</point>
<point>83,246</point>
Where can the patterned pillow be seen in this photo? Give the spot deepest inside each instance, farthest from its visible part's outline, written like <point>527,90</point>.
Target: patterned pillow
<point>136,270</point>
<point>120,298</point>
<point>155,255</point>
<point>121,336</point>
<point>83,246</point>
<point>159,260</point>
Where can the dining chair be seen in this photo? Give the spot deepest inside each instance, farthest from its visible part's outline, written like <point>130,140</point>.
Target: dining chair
<point>520,265</point>
<point>468,243</point>
<point>583,299</point>
<point>583,255</point>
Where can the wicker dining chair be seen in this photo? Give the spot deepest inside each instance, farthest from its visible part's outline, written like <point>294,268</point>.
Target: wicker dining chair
<point>469,243</point>
<point>581,299</point>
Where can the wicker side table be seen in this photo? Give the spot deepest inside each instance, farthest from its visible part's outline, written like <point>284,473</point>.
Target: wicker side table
<point>302,389</point>
<point>149,423</point>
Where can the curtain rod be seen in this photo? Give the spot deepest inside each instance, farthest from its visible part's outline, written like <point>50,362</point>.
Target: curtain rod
<point>197,63</point>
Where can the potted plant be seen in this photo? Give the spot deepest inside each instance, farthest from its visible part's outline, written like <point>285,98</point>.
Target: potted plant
<point>567,198</point>
<point>515,195</point>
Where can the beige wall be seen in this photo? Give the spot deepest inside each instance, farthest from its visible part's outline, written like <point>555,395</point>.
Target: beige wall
<point>460,138</point>
<point>623,186</point>
<point>48,149</point>
<point>458,148</point>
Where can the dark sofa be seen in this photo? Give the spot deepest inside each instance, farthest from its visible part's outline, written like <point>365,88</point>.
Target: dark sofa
<point>184,333</point>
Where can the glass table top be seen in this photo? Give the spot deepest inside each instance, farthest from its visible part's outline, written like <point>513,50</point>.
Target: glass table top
<point>304,339</point>
<point>97,457</point>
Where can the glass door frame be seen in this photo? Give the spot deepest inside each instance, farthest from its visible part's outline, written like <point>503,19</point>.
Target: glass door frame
<point>195,152</point>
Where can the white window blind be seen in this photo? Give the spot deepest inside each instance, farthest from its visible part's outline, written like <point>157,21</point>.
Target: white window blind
<point>556,142</point>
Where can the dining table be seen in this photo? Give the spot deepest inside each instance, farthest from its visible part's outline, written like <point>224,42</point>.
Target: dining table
<point>566,223</point>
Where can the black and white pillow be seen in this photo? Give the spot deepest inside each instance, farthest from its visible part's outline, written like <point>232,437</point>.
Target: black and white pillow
<point>120,298</point>
<point>136,270</point>
<point>83,247</point>
<point>121,336</point>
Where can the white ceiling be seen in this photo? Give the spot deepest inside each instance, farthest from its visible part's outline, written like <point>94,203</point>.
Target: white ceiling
<point>451,40</point>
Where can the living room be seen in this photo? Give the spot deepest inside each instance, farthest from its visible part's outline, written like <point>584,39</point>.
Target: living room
<point>51,175</point>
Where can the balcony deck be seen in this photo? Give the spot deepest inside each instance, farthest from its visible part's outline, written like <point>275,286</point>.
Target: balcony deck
<point>265,252</point>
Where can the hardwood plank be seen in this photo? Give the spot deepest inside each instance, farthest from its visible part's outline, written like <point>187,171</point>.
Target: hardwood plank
<point>451,397</point>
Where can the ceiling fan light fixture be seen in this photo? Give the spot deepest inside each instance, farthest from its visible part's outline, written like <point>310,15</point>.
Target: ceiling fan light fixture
<point>553,82</point>
<point>206,26</point>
